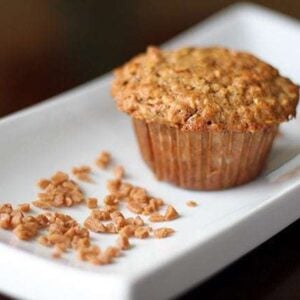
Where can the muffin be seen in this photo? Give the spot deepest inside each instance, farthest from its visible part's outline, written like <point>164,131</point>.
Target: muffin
<point>205,118</point>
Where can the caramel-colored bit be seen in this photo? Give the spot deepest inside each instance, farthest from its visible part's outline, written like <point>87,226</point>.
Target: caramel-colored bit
<point>149,209</point>
<point>92,203</point>
<point>163,232</point>
<point>141,232</point>
<point>82,173</point>
<point>26,231</point>
<point>134,207</point>
<point>43,240</point>
<point>17,218</point>
<point>112,251</point>
<point>119,172</point>
<point>157,217</point>
<point>80,242</point>
<point>171,213</point>
<point>88,253</point>
<point>94,225</point>
<point>5,221</point>
<point>101,215</point>
<point>123,242</point>
<point>138,221</point>
<point>84,177</point>
<point>81,169</point>
<point>42,220</point>
<point>113,185</point>
<point>56,238</point>
<point>105,259</point>
<point>41,204</point>
<point>127,230</point>
<point>63,246</point>
<point>191,203</point>
<point>116,214</point>
<point>43,183</point>
<point>130,221</point>
<point>59,177</point>
<point>124,190</point>
<point>111,200</point>
<point>103,160</point>
<point>110,208</point>
<point>6,208</point>
<point>111,228</point>
<point>24,207</point>
<point>138,194</point>
<point>120,222</point>
<point>57,253</point>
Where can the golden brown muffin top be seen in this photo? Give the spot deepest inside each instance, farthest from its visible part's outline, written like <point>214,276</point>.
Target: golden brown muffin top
<point>204,89</point>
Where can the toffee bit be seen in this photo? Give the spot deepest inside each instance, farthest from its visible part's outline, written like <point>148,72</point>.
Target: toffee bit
<point>156,217</point>
<point>101,215</point>
<point>103,160</point>
<point>111,200</point>
<point>123,242</point>
<point>6,208</point>
<point>92,203</point>
<point>163,232</point>
<point>94,225</point>
<point>127,230</point>
<point>191,203</point>
<point>171,213</point>
<point>134,207</point>
<point>43,183</point>
<point>113,185</point>
<point>82,173</point>
<point>141,232</point>
<point>41,204</point>
<point>119,172</point>
<point>24,207</point>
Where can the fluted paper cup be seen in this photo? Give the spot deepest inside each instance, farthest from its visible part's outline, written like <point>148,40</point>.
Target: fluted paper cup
<point>203,160</point>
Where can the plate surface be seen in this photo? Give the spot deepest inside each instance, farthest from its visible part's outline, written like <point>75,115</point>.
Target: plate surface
<point>72,128</point>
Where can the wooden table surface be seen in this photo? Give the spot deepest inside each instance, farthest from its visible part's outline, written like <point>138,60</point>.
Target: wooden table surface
<point>49,46</point>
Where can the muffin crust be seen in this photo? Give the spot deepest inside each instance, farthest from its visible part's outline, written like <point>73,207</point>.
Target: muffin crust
<point>204,89</point>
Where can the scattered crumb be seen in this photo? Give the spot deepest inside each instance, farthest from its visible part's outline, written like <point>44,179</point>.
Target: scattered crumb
<point>123,242</point>
<point>103,160</point>
<point>112,251</point>
<point>156,217</point>
<point>43,183</point>
<point>94,225</point>
<point>111,200</point>
<point>6,208</point>
<point>101,215</point>
<point>127,231</point>
<point>163,232</point>
<point>171,213</point>
<point>41,204</point>
<point>57,253</point>
<point>24,207</point>
<point>91,203</point>
<point>191,203</point>
<point>82,173</point>
<point>141,232</point>
<point>119,172</point>
<point>113,185</point>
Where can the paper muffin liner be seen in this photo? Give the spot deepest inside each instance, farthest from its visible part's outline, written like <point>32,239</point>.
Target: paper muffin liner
<point>203,160</point>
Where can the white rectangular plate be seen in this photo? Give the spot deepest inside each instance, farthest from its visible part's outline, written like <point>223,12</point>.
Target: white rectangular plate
<point>74,127</point>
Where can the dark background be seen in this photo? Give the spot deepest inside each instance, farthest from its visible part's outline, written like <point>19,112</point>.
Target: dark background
<point>49,46</point>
